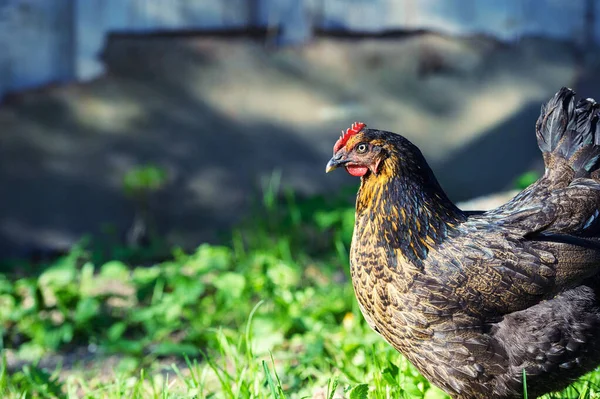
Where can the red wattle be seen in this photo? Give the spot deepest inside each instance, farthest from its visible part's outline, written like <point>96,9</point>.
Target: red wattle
<point>357,170</point>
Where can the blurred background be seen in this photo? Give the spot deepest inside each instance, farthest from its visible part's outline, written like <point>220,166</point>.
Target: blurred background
<point>213,96</point>
<point>155,124</point>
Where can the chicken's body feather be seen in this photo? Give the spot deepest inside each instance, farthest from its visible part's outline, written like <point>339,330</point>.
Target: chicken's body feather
<point>473,299</point>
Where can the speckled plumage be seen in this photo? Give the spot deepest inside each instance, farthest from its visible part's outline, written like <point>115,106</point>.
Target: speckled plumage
<point>473,298</point>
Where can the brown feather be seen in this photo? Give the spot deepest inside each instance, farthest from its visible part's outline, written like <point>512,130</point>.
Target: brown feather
<point>473,299</point>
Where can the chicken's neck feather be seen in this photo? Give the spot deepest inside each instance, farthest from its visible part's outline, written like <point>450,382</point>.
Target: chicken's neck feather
<point>405,207</point>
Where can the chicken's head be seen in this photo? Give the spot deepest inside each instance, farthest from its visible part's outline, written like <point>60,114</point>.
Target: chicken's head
<point>356,151</point>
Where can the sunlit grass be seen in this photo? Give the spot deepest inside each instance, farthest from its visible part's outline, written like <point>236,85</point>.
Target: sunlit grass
<point>271,316</point>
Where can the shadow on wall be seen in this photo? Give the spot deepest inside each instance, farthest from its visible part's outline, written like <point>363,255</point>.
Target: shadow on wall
<point>222,114</point>
<point>495,159</point>
<point>64,154</point>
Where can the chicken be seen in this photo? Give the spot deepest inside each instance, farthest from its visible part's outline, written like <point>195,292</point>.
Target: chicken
<point>474,299</point>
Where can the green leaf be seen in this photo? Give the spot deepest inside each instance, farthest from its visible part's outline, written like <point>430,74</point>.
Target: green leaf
<point>327,219</point>
<point>6,286</point>
<point>390,373</point>
<point>412,389</point>
<point>208,258</point>
<point>361,391</point>
<point>87,280</point>
<point>283,275</point>
<point>116,331</point>
<point>332,386</point>
<point>86,309</point>
<point>144,178</point>
<point>59,275</point>
<point>435,393</point>
<point>231,284</point>
<point>146,275</point>
<point>30,351</point>
<point>127,346</point>
<point>172,312</point>
<point>7,304</point>
<point>115,269</point>
<point>127,364</point>
<point>173,348</point>
<point>57,336</point>
<point>526,179</point>
<point>267,334</point>
<point>40,381</point>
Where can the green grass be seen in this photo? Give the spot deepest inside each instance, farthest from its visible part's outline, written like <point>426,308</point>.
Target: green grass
<point>273,315</point>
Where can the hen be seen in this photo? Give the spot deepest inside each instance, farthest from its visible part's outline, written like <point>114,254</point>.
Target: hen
<point>473,299</point>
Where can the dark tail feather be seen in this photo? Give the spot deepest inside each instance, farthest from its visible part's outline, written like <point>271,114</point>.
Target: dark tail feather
<point>554,120</point>
<point>571,132</point>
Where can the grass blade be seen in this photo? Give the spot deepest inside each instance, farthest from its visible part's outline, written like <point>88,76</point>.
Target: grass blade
<point>524,385</point>
<point>270,380</point>
<point>248,333</point>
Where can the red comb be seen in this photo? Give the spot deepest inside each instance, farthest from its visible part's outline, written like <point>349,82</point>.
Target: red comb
<point>351,131</point>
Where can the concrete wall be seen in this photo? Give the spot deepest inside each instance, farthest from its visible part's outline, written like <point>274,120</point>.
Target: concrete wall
<point>96,18</point>
<point>505,19</point>
<point>36,43</point>
<point>43,41</point>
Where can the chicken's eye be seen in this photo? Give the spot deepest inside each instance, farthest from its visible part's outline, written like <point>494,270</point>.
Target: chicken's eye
<point>361,148</point>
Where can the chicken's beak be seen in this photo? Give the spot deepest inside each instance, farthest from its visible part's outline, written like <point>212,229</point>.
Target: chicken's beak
<point>335,162</point>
